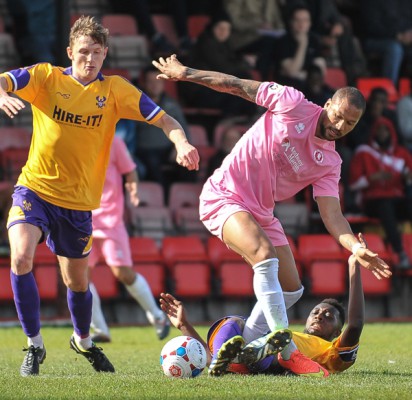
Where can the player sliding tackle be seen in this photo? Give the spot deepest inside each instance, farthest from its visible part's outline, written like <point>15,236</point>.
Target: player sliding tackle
<point>324,340</point>
<point>290,147</point>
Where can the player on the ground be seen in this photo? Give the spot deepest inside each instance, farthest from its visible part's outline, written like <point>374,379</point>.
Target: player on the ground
<point>323,340</point>
<point>111,242</point>
<point>75,111</point>
<point>290,147</point>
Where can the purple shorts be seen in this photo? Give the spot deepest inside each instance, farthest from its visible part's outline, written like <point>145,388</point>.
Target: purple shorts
<point>68,232</point>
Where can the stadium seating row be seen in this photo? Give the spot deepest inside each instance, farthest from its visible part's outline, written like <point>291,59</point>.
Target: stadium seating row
<point>192,268</point>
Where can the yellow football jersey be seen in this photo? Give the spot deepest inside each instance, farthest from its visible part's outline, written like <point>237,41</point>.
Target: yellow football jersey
<point>73,128</point>
<point>328,354</point>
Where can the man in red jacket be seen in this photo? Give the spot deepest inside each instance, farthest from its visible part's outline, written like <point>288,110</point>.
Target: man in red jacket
<point>380,172</point>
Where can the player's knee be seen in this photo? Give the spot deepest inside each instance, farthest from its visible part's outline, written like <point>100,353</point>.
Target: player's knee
<point>125,275</point>
<point>21,264</point>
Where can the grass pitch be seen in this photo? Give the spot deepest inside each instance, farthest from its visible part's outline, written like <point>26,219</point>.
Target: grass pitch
<point>383,371</point>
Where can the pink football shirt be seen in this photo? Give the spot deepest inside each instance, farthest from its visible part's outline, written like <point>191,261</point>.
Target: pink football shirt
<point>275,159</point>
<point>110,213</point>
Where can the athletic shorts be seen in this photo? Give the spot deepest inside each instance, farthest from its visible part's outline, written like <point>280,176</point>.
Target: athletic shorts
<point>68,233</point>
<point>215,212</point>
<point>235,368</point>
<point>112,246</point>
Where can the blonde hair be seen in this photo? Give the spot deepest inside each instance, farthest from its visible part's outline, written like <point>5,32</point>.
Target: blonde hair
<point>88,26</point>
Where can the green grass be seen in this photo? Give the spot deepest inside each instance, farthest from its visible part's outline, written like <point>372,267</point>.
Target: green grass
<point>383,371</point>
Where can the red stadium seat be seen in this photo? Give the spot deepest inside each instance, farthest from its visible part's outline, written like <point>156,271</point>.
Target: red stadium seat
<point>151,194</point>
<point>164,24</point>
<point>218,253</point>
<point>154,222</point>
<point>12,162</point>
<point>44,256</point>
<point>188,223</point>
<point>235,279</point>
<point>404,87</point>
<point>327,278</point>
<point>14,137</point>
<point>105,282</point>
<point>191,279</point>
<point>366,84</point>
<point>198,135</point>
<point>197,24</point>
<point>6,293</point>
<point>47,281</point>
<point>144,249</point>
<point>154,274</point>
<point>317,247</point>
<point>184,194</point>
<point>374,286</point>
<point>335,78</point>
<point>120,24</point>
<point>375,243</point>
<point>181,249</point>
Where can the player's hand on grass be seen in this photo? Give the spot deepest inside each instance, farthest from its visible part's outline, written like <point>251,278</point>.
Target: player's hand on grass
<point>170,68</point>
<point>174,309</point>
<point>371,261</point>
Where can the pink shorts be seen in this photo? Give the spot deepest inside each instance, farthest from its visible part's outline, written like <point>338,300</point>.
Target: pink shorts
<point>111,246</point>
<point>214,214</point>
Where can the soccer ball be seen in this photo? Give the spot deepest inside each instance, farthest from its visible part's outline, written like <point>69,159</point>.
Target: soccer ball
<point>183,357</point>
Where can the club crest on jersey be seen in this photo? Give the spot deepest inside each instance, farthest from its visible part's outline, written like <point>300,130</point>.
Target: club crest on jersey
<point>100,101</point>
<point>318,156</point>
<point>300,127</point>
<point>285,144</point>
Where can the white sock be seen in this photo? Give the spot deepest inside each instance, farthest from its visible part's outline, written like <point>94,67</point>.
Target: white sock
<point>269,293</point>
<point>255,325</point>
<point>98,323</point>
<point>84,343</point>
<point>141,292</point>
<point>36,341</point>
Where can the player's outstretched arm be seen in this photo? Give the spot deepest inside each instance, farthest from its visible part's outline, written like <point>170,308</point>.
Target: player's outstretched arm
<point>186,155</point>
<point>176,312</point>
<point>339,228</point>
<point>172,68</point>
<point>356,304</point>
<point>10,105</point>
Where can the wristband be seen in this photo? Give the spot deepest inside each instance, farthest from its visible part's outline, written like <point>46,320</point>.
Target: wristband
<point>356,247</point>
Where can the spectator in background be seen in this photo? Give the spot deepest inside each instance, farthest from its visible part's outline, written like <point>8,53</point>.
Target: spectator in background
<point>153,149</point>
<point>111,242</point>
<point>404,118</point>
<point>386,32</point>
<point>380,170</point>
<point>339,47</point>
<point>34,26</point>
<point>256,24</point>
<point>229,138</point>
<point>315,88</point>
<point>213,51</point>
<point>298,49</point>
<point>376,107</point>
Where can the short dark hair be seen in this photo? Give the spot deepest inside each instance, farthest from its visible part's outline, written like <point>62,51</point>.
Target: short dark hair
<point>339,306</point>
<point>354,96</point>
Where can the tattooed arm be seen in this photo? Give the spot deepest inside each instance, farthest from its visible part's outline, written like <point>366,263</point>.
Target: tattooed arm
<point>173,69</point>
